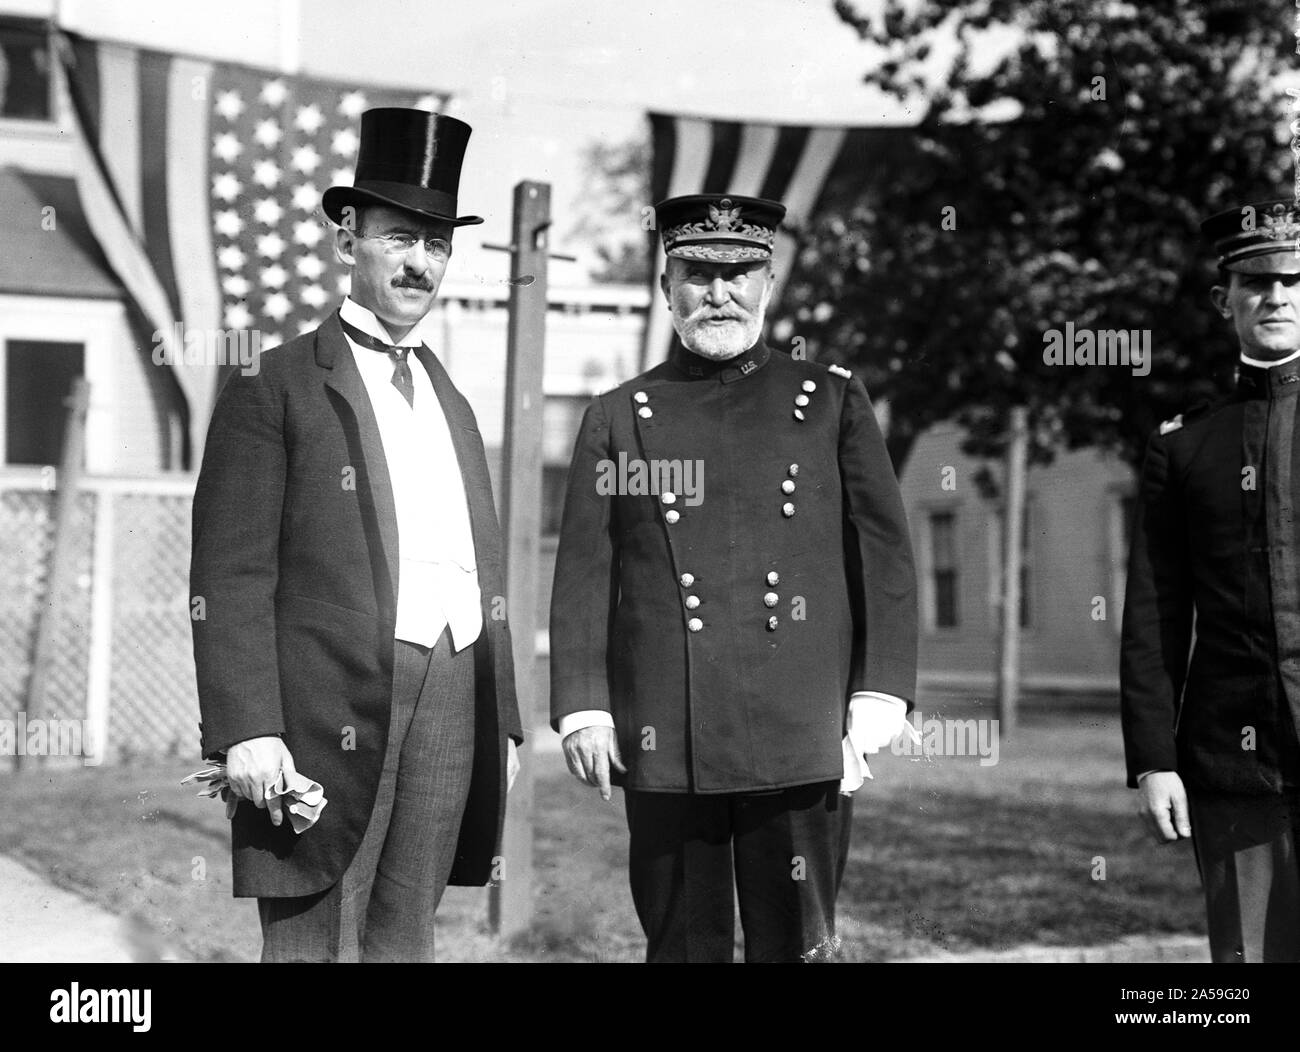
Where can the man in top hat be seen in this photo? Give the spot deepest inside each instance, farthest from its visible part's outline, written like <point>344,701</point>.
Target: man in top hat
<point>347,551</point>
<point>715,631</point>
<point>1210,724</point>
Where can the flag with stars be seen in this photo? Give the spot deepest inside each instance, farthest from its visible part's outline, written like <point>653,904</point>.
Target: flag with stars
<point>204,188</point>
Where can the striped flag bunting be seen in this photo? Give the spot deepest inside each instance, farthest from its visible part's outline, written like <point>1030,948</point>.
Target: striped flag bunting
<point>793,164</point>
<point>202,181</point>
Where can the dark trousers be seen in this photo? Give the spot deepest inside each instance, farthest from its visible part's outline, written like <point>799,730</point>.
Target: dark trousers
<point>1246,852</point>
<point>382,909</point>
<point>782,853</point>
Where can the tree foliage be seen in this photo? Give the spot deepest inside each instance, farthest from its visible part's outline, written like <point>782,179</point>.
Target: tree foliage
<point>616,187</point>
<point>1127,125</point>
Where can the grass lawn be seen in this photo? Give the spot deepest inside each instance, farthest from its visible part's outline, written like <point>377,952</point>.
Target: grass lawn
<point>947,855</point>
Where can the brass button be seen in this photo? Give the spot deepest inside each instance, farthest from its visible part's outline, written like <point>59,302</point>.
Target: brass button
<point>645,412</point>
<point>787,487</point>
<point>809,386</point>
<point>773,578</point>
<point>640,398</point>
<point>692,602</point>
<point>688,579</point>
<point>770,599</point>
<point>794,471</point>
<point>801,400</point>
<point>787,510</point>
<point>668,497</point>
<point>798,414</point>
<point>672,516</point>
<point>695,624</point>
<point>772,622</point>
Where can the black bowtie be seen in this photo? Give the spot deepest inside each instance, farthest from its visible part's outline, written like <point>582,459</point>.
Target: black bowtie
<point>402,378</point>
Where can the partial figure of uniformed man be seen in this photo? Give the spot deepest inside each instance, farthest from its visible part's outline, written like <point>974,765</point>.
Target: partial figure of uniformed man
<point>714,635</point>
<point>1210,725</point>
<point>347,550</point>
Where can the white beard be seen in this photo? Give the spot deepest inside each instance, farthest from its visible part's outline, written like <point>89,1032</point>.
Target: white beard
<point>718,343</point>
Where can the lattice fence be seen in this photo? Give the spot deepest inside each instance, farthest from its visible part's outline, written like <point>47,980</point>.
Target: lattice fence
<point>122,658</point>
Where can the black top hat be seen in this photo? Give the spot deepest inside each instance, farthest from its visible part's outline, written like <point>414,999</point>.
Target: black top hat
<point>408,159</point>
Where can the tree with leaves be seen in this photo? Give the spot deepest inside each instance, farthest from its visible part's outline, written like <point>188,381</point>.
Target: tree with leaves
<point>616,186</point>
<point>1064,155</point>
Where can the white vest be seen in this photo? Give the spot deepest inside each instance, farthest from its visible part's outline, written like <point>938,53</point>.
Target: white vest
<point>437,583</point>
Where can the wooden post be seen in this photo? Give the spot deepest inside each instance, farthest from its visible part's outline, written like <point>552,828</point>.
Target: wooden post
<point>99,667</point>
<point>58,579</point>
<point>510,901</point>
<point>1012,559</point>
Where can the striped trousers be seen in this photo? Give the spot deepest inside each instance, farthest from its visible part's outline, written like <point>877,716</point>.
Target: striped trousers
<point>382,908</point>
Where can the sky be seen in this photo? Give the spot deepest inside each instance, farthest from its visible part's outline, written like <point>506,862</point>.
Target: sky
<point>537,80</point>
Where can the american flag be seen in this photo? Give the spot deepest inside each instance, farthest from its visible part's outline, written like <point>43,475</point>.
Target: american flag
<point>202,184</point>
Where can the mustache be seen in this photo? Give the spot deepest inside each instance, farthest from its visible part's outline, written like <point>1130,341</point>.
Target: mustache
<point>423,284</point>
<point>706,315</point>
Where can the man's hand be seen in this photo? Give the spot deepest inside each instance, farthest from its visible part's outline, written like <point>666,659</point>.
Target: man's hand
<point>590,753</point>
<point>1163,806</point>
<point>253,765</point>
<point>512,763</point>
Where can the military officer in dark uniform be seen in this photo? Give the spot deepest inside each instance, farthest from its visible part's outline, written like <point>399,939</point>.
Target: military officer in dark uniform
<point>1211,743</point>
<point>713,631</point>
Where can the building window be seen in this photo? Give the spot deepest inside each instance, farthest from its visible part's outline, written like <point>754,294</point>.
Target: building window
<point>1123,509</point>
<point>38,382</point>
<point>561,417</point>
<point>996,546</point>
<point>24,70</point>
<point>554,478</point>
<point>943,568</point>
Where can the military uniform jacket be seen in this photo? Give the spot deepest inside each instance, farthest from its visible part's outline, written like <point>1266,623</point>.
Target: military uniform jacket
<point>1209,540</point>
<point>725,636</point>
<point>295,558</point>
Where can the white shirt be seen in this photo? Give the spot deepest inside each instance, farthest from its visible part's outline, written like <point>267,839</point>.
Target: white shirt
<point>437,570</point>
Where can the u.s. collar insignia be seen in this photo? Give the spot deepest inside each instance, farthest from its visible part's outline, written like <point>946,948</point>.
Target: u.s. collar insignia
<point>748,367</point>
<point>839,370</point>
<point>1171,425</point>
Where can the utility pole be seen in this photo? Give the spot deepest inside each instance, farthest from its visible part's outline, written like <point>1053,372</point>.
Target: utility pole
<point>510,901</point>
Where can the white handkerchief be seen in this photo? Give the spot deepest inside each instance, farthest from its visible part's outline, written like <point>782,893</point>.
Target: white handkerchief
<point>856,771</point>
<point>302,798</point>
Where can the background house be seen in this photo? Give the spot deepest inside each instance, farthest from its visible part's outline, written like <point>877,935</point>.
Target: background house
<point>1077,517</point>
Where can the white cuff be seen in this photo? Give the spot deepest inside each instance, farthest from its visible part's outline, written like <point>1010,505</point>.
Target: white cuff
<point>878,695</point>
<point>577,721</point>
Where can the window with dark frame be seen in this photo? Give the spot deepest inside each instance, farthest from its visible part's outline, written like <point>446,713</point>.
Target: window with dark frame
<point>24,70</point>
<point>943,567</point>
<point>38,382</point>
<point>1026,560</point>
<point>555,477</point>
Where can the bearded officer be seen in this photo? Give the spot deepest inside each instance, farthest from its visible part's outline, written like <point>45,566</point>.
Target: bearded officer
<point>710,639</point>
<point>1211,744</point>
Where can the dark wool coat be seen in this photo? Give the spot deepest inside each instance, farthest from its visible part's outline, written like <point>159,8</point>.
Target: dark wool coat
<point>295,553</point>
<point>664,612</point>
<point>1210,547</point>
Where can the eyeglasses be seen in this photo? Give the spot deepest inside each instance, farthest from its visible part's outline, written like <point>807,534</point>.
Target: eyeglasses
<point>398,244</point>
